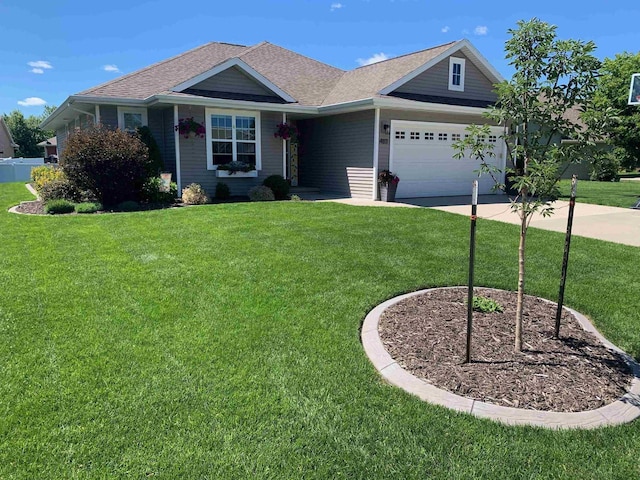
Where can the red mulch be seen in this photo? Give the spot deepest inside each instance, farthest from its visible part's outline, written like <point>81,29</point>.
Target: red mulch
<point>426,335</point>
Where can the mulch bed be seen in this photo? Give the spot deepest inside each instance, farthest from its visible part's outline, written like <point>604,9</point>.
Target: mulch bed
<point>426,335</point>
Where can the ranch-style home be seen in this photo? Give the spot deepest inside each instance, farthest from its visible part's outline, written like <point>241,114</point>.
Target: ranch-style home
<point>401,114</point>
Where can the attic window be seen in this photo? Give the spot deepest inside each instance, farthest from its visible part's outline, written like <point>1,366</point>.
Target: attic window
<point>456,74</point>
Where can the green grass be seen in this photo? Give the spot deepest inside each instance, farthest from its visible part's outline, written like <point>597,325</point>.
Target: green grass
<point>222,341</point>
<point>615,194</point>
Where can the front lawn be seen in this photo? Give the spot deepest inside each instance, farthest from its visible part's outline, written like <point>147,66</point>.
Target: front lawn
<point>222,341</point>
<point>615,194</point>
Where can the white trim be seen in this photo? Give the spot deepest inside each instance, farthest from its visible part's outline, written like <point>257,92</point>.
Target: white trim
<point>452,62</point>
<point>176,139</point>
<point>97,116</point>
<point>228,174</point>
<point>233,113</point>
<point>376,151</point>
<point>481,62</point>
<point>235,62</point>
<point>140,110</point>
<point>232,104</point>
<point>284,150</point>
<point>631,102</point>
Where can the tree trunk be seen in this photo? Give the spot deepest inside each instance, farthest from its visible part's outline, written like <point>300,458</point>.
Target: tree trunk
<point>520,304</point>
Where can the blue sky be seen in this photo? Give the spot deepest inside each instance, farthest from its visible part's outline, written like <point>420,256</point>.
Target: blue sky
<point>50,50</point>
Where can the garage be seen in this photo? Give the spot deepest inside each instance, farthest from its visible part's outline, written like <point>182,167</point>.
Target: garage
<point>421,154</point>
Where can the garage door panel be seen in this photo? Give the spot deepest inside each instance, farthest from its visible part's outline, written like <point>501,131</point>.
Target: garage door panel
<point>424,161</point>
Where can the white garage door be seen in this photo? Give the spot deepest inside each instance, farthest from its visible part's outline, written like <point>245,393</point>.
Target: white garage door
<point>422,156</point>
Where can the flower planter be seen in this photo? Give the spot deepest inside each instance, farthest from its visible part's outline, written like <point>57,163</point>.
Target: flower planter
<point>230,174</point>
<point>388,192</point>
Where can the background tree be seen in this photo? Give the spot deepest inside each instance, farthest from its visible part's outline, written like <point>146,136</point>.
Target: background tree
<point>26,131</point>
<point>552,78</point>
<point>613,92</point>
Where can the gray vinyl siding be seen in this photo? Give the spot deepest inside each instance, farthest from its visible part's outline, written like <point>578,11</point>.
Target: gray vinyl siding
<point>109,116</point>
<point>336,151</point>
<point>193,156</point>
<point>387,115</point>
<point>235,81</point>
<point>61,135</point>
<point>435,81</point>
<point>169,145</point>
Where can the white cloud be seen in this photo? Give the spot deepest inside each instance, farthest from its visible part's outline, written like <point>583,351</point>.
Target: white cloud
<point>32,102</point>
<point>444,29</point>
<point>111,68</point>
<point>36,70</point>
<point>40,64</point>
<point>375,58</point>
<point>481,30</point>
<point>336,6</point>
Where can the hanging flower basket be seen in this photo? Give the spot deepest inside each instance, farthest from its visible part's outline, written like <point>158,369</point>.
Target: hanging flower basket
<point>286,132</point>
<point>188,127</point>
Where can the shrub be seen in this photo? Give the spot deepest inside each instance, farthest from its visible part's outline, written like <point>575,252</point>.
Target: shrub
<point>486,305</point>
<point>605,168</point>
<point>296,198</point>
<point>156,165</point>
<point>88,207</point>
<point>45,174</point>
<point>261,193</point>
<point>194,194</point>
<point>59,189</point>
<point>111,164</point>
<point>278,185</point>
<point>58,206</point>
<point>222,191</point>
<point>128,206</point>
<point>151,192</point>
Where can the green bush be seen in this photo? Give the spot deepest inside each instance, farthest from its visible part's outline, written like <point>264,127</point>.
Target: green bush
<point>606,167</point>
<point>45,174</point>
<point>59,206</point>
<point>295,198</point>
<point>156,165</point>
<point>152,193</point>
<point>128,206</point>
<point>222,191</point>
<point>88,207</point>
<point>261,193</point>
<point>194,194</point>
<point>59,189</point>
<point>486,305</point>
<point>111,164</point>
<point>278,185</point>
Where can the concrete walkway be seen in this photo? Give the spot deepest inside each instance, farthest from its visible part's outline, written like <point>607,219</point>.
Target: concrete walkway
<point>613,224</point>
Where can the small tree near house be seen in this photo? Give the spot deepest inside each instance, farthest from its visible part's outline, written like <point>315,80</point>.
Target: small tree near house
<point>552,79</point>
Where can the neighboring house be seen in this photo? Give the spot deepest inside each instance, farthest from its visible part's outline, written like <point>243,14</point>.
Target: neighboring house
<point>7,145</point>
<point>50,148</point>
<point>401,114</point>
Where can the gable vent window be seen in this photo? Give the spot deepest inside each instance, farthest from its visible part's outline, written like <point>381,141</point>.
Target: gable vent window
<point>428,136</point>
<point>442,137</point>
<point>400,135</point>
<point>456,74</point>
<point>414,136</point>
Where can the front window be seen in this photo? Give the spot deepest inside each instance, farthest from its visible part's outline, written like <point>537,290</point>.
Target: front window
<point>129,119</point>
<point>456,74</point>
<point>232,136</point>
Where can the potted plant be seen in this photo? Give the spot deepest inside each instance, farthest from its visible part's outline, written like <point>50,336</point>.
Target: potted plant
<point>388,184</point>
<point>286,131</point>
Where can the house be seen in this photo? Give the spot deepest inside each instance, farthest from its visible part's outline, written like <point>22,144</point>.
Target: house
<point>7,145</point>
<point>50,148</point>
<point>401,114</point>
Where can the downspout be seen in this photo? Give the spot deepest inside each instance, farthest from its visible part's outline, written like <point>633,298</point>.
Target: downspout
<point>376,151</point>
<point>176,137</point>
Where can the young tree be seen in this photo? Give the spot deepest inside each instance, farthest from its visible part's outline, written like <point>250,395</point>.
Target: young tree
<point>613,92</point>
<point>552,79</point>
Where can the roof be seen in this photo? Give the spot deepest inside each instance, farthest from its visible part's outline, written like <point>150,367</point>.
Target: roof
<point>49,142</point>
<point>5,127</point>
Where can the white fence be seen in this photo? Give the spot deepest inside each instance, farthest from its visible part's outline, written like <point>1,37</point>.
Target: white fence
<point>18,169</point>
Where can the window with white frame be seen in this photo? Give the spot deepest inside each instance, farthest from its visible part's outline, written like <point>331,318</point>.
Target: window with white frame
<point>456,74</point>
<point>232,136</point>
<point>130,118</point>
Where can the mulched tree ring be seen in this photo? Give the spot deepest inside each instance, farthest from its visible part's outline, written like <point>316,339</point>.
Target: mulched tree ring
<point>426,334</point>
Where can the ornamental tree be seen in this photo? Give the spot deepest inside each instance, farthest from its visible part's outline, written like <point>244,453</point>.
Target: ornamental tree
<point>553,80</point>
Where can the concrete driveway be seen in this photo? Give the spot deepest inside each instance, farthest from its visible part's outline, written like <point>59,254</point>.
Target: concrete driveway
<point>619,225</point>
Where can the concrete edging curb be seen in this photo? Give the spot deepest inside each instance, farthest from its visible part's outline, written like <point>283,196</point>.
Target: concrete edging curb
<point>621,411</point>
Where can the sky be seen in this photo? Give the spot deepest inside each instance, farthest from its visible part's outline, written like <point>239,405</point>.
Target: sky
<point>50,50</point>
